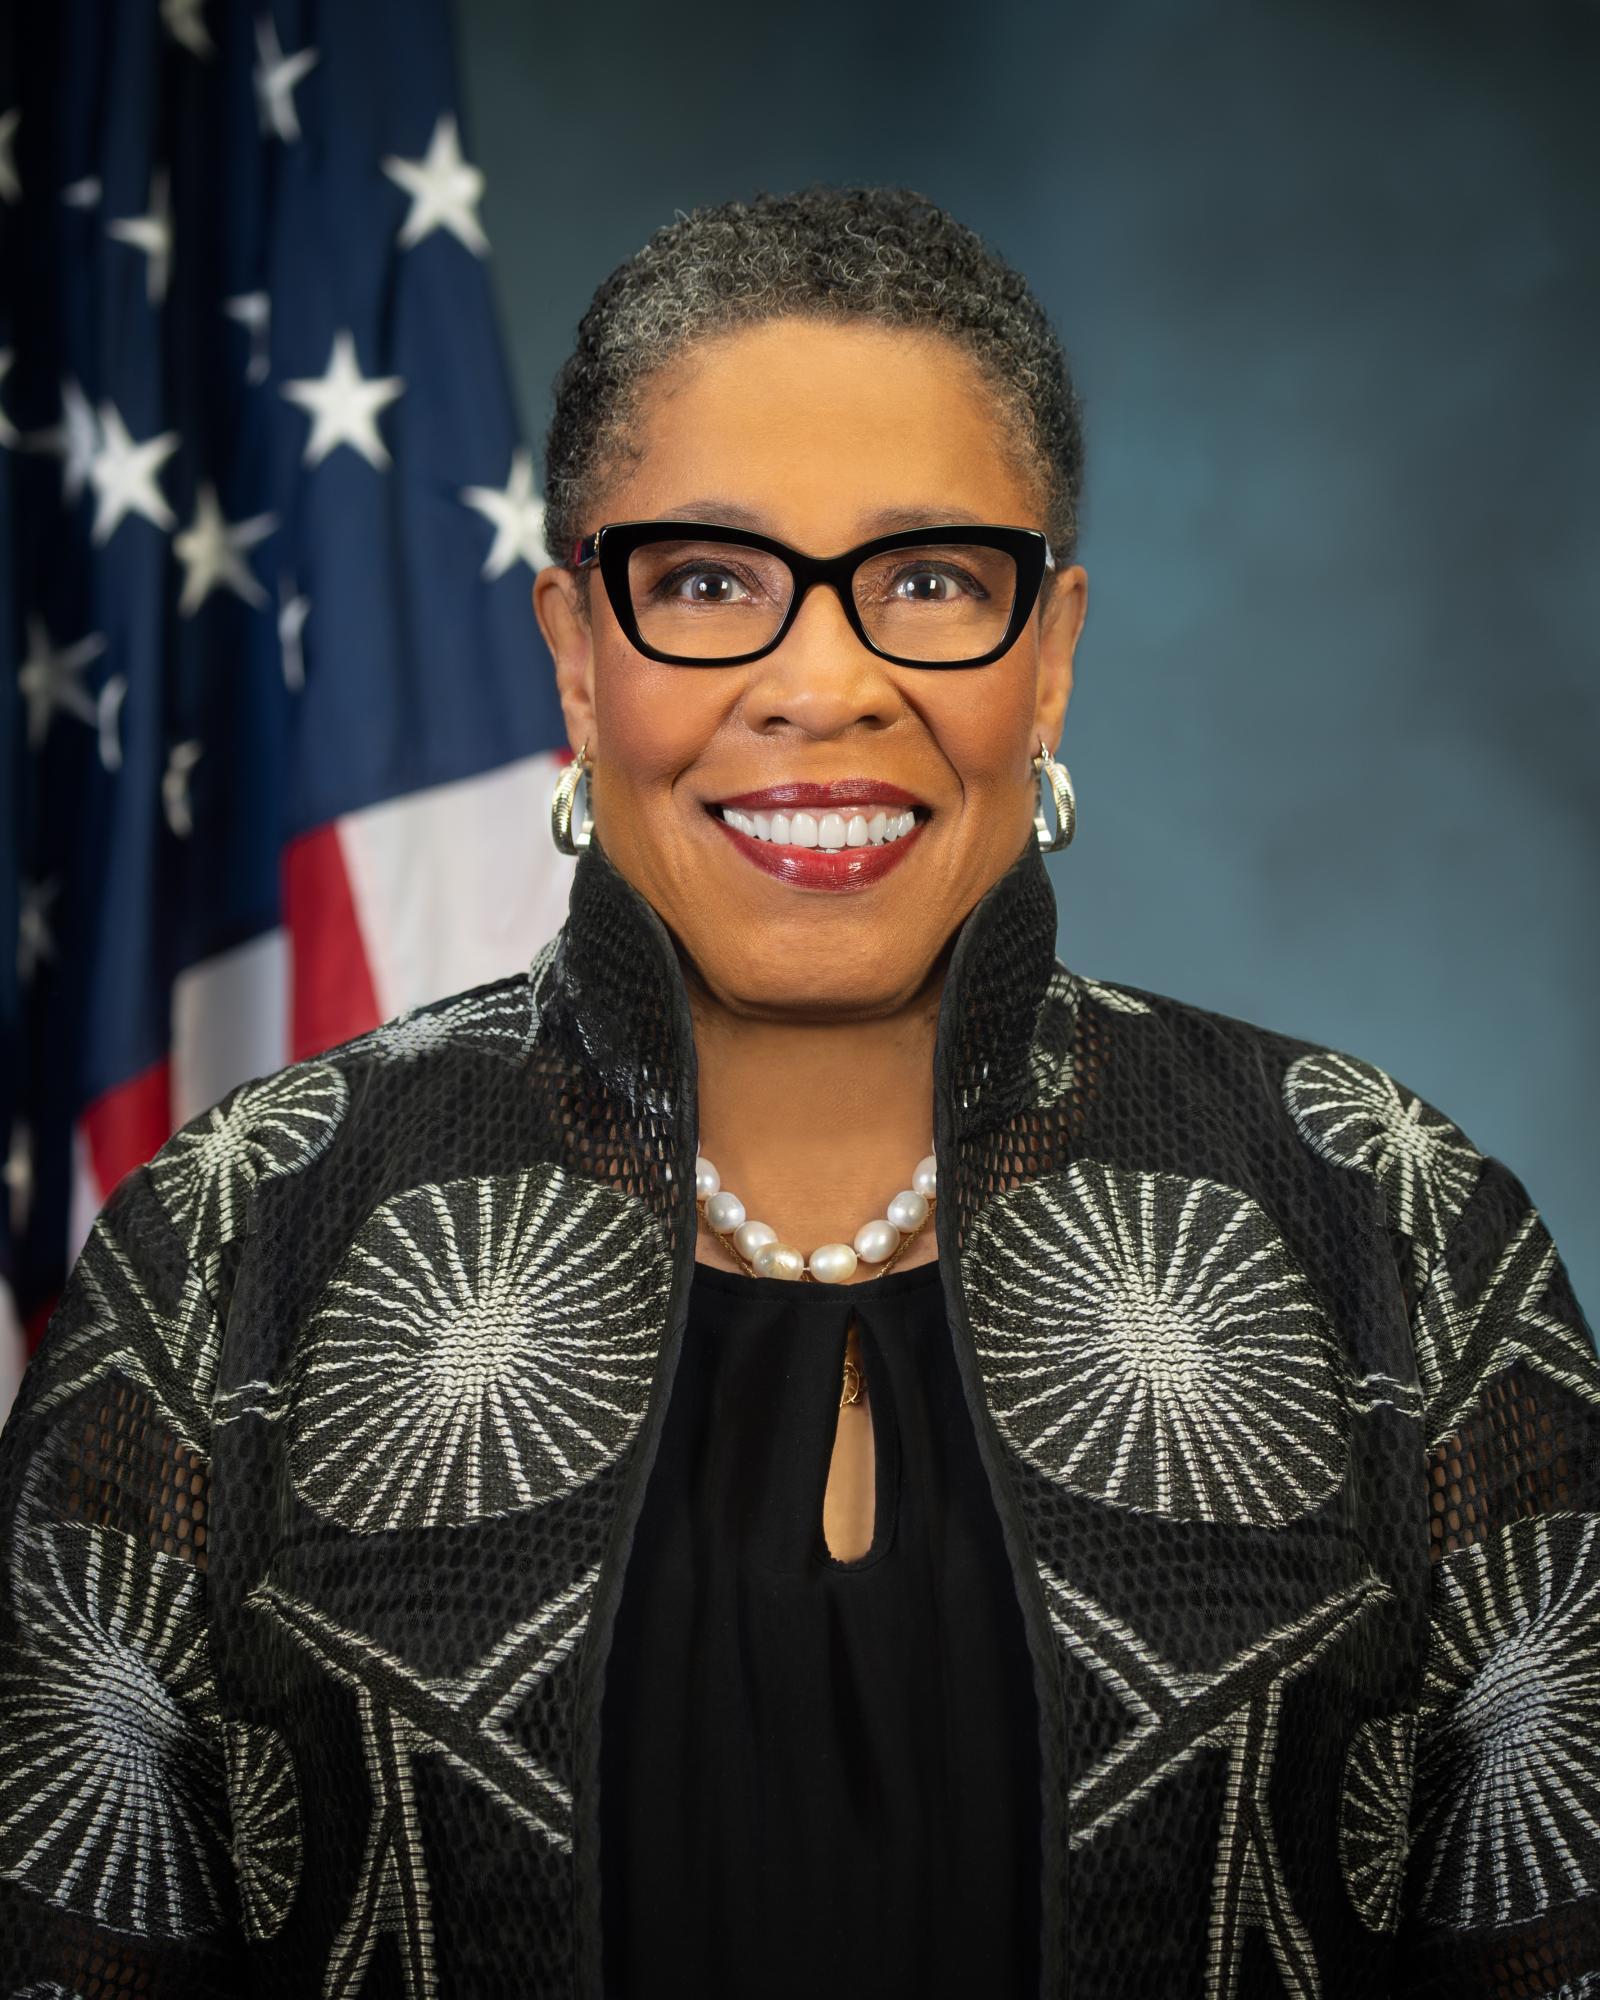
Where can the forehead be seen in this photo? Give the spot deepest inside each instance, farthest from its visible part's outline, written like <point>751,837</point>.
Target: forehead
<point>817,431</point>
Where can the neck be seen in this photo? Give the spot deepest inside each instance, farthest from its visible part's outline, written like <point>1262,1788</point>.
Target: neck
<point>816,1126</point>
<point>825,1123</point>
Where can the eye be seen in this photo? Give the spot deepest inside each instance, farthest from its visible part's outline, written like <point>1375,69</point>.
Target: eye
<point>928,583</point>
<point>701,583</point>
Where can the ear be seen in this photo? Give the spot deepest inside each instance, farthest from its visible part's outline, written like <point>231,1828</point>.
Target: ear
<point>568,635</point>
<point>1060,623</point>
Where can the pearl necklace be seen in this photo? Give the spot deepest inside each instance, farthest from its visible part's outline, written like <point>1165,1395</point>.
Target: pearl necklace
<point>759,1249</point>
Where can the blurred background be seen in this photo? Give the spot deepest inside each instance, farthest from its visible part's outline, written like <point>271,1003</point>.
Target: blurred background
<point>1327,275</point>
<point>1327,278</point>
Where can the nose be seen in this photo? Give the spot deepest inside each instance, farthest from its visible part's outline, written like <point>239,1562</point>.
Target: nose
<point>821,676</point>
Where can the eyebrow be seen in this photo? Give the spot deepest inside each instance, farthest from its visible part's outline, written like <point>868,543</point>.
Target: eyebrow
<point>887,520</point>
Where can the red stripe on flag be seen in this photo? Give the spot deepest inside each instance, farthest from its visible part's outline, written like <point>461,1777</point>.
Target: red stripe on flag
<point>129,1124</point>
<point>331,994</point>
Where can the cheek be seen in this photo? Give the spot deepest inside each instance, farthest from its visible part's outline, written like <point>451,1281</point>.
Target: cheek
<point>987,734</point>
<point>652,720</point>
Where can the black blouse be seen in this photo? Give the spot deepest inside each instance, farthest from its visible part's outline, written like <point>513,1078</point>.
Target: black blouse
<point>818,1777</point>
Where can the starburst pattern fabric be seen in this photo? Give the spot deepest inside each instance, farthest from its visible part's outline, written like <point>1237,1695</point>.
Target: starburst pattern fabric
<point>499,1019</point>
<point>1375,1815</point>
<point>484,1347</point>
<point>495,1020</point>
<point>1151,1341</point>
<point>1352,1112</point>
<point>1288,1412</point>
<point>207,1172</point>
<point>264,1822</point>
<point>106,1709</point>
<point>1509,1765</point>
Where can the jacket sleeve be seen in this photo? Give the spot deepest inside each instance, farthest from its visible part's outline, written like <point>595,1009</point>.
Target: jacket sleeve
<point>115,1870</point>
<point>1502,1880</point>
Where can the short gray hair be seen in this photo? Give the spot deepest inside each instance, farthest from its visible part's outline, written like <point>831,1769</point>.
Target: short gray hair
<point>882,254</point>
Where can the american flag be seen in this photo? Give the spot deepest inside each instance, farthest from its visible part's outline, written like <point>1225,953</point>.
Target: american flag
<point>283,734</point>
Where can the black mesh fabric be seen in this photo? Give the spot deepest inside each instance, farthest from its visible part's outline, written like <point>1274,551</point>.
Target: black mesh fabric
<point>318,1497</point>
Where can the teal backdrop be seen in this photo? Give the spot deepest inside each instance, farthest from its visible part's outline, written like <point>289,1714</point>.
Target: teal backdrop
<point>1327,276</point>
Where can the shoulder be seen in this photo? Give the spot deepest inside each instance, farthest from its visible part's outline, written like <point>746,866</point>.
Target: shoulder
<point>1248,1085</point>
<point>1202,1042</point>
<point>499,1018</point>
<point>290,1120</point>
<point>1196,1043</point>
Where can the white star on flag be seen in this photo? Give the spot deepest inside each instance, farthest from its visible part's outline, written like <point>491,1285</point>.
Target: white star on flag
<point>175,787</point>
<point>10,186</point>
<point>277,76</point>
<point>151,233</point>
<point>75,440</point>
<point>444,189</point>
<point>108,718</point>
<point>252,311</point>
<point>34,940</point>
<point>8,430</point>
<point>124,476</point>
<point>344,405</point>
<point>82,194</point>
<point>518,517</point>
<point>212,553</point>
<point>185,23</point>
<point>293,611</point>
<point>52,679</point>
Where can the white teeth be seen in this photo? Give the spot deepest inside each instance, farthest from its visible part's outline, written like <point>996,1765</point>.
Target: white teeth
<point>830,831</point>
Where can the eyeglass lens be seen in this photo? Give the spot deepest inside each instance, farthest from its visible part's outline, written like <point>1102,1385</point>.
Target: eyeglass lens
<point>716,600</point>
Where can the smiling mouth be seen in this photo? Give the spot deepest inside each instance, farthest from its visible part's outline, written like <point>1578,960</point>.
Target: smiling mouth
<point>852,828</point>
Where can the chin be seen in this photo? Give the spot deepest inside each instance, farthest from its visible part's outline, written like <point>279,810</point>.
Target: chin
<point>778,983</point>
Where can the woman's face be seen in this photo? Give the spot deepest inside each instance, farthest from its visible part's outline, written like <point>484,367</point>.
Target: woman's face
<point>811,433</point>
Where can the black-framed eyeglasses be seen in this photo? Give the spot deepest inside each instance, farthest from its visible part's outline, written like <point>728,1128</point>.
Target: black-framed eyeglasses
<point>694,594</point>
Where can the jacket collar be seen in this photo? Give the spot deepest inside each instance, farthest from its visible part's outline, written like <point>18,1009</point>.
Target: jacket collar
<point>618,1008</point>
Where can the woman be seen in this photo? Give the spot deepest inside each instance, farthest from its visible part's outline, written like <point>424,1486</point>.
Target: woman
<point>801,1445</point>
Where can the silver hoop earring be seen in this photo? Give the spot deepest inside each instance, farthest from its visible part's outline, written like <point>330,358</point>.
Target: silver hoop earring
<point>1045,766</point>
<point>562,801</point>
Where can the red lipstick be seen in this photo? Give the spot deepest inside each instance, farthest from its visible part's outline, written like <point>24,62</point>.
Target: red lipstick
<point>842,792</point>
<point>816,867</point>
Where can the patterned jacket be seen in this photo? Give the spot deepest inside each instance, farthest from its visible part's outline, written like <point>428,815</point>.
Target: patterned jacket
<point>318,1498</point>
